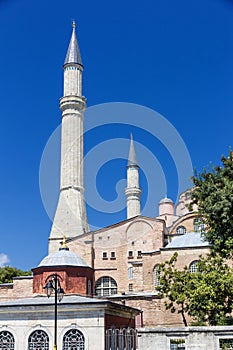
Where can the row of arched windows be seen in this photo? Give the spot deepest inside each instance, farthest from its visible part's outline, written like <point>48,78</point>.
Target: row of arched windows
<point>198,226</point>
<point>193,267</point>
<point>39,339</point>
<point>106,285</point>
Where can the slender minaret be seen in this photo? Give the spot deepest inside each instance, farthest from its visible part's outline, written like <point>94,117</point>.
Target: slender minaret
<point>133,191</point>
<point>70,217</point>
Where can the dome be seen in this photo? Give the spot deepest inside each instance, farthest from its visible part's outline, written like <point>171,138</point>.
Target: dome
<point>166,200</point>
<point>63,258</point>
<point>192,239</point>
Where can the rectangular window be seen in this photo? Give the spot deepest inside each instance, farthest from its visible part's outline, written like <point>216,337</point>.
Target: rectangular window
<point>105,255</point>
<point>139,253</point>
<point>113,255</point>
<point>177,344</point>
<point>226,344</point>
<point>131,287</point>
<point>130,254</point>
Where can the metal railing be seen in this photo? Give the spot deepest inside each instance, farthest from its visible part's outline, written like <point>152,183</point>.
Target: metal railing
<point>121,339</point>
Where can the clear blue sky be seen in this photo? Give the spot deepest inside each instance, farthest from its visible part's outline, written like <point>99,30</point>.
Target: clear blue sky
<point>175,57</point>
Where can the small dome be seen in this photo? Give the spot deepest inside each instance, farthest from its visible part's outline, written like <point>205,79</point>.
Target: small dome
<point>63,258</point>
<point>166,200</point>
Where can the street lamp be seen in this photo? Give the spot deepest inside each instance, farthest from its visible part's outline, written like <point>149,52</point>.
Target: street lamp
<point>53,286</point>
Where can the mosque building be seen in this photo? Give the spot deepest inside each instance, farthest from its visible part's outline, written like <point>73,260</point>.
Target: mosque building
<point>110,275</point>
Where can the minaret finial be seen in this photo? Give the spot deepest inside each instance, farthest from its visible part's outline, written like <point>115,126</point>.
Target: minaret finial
<point>73,24</point>
<point>63,244</point>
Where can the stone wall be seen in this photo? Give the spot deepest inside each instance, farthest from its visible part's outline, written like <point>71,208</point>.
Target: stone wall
<point>191,338</point>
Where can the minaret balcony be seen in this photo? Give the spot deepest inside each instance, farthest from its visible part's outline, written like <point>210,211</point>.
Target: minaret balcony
<point>72,102</point>
<point>133,192</point>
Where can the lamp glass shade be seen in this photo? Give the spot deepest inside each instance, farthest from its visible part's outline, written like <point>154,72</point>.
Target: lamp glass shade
<point>49,288</point>
<point>60,293</point>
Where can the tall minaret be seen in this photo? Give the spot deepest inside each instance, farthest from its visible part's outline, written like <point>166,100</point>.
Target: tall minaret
<point>133,191</point>
<point>70,217</point>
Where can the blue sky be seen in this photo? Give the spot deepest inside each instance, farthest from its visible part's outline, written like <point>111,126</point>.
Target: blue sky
<point>174,57</point>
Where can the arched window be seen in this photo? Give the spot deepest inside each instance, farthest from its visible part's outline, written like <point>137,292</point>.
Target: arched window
<point>73,339</point>
<point>38,340</point>
<point>198,225</point>
<point>105,286</point>
<point>193,267</point>
<point>7,341</point>
<point>181,230</point>
<point>130,272</point>
<point>156,276</point>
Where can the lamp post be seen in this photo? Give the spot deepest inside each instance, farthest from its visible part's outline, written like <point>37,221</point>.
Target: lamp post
<point>53,286</point>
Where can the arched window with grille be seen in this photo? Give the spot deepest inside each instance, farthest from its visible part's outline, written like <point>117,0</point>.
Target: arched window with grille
<point>193,267</point>
<point>105,286</point>
<point>156,276</point>
<point>181,230</point>
<point>73,339</point>
<point>7,341</point>
<point>38,340</point>
<point>198,225</point>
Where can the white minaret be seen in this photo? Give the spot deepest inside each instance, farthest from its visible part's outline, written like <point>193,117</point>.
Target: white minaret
<point>133,191</point>
<point>70,217</point>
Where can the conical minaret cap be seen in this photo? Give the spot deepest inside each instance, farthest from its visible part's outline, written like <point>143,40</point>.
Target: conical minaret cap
<point>73,54</point>
<point>132,158</point>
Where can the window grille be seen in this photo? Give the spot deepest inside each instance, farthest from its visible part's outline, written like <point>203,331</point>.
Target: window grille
<point>73,340</point>
<point>105,286</point>
<point>156,276</point>
<point>193,267</point>
<point>177,344</point>
<point>226,344</point>
<point>181,230</point>
<point>121,339</point>
<point>199,225</point>
<point>38,340</point>
<point>7,341</point>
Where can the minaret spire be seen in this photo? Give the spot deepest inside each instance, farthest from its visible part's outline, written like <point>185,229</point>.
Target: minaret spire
<point>132,158</point>
<point>70,217</point>
<point>133,191</point>
<point>73,53</point>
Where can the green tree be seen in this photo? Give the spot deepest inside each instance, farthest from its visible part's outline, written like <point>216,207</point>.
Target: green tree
<point>174,286</point>
<point>213,193</point>
<point>206,295</point>
<point>7,273</point>
<point>211,295</point>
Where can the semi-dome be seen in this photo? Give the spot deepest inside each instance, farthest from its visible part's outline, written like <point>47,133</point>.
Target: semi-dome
<point>189,240</point>
<point>63,258</point>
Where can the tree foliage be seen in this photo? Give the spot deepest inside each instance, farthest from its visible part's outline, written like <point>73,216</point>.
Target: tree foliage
<point>205,295</point>
<point>173,285</point>
<point>213,193</point>
<point>7,273</point>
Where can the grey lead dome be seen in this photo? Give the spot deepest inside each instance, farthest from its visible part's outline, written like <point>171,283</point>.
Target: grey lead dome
<point>165,200</point>
<point>63,258</point>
